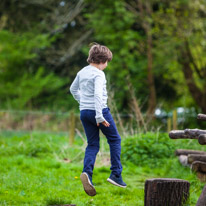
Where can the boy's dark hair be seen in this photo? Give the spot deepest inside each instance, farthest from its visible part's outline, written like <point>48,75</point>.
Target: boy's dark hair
<point>99,54</point>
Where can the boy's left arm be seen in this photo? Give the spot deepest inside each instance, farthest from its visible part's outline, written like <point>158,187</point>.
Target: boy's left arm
<point>74,89</point>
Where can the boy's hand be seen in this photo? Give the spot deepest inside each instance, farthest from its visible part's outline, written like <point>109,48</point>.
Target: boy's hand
<point>105,123</point>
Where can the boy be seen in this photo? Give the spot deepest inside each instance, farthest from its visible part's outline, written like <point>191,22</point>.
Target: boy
<point>89,89</point>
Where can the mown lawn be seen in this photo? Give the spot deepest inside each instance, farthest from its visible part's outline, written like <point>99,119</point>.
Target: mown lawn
<point>42,169</point>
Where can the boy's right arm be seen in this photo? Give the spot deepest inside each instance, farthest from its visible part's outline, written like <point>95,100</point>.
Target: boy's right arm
<point>98,93</point>
<point>74,89</point>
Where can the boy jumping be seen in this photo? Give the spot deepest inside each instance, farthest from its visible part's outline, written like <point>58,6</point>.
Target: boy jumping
<point>89,89</point>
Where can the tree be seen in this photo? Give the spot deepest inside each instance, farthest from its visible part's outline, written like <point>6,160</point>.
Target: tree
<point>182,25</point>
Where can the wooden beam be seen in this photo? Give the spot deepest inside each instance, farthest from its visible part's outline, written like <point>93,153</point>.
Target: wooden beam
<point>187,152</point>
<point>178,134</point>
<point>196,157</point>
<point>194,133</point>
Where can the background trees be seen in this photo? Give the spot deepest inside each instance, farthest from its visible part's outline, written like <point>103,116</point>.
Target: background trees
<point>158,46</point>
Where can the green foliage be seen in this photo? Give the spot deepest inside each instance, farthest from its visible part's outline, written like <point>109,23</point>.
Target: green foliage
<point>20,82</point>
<point>148,149</point>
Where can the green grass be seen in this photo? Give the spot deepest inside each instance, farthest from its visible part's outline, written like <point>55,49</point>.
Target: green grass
<point>42,169</point>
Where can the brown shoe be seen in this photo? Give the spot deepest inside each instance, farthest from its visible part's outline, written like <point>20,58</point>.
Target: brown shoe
<point>87,184</point>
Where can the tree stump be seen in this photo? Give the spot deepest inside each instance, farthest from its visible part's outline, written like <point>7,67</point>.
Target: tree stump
<point>165,191</point>
<point>202,199</point>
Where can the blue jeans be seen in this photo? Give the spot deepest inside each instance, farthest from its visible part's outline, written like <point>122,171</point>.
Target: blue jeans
<point>92,132</point>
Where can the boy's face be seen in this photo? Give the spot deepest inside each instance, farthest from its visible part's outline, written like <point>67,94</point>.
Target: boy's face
<point>102,66</point>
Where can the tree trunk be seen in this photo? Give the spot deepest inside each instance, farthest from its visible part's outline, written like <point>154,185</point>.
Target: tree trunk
<point>166,192</point>
<point>186,61</point>
<point>145,8</point>
<point>202,199</point>
<point>150,77</point>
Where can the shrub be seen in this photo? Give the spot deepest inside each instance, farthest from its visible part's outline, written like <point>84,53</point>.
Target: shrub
<point>148,149</point>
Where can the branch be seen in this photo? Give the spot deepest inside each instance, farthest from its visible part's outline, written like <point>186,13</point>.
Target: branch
<point>201,117</point>
<point>74,47</point>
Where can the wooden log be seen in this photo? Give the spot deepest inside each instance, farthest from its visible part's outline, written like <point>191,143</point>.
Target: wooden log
<point>165,191</point>
<point>198,166</point>
<point>177,134</point>
<point>187,152</point>
<point>201,117</point>
<point>196,157</point>
<point>202,199</point>
<point>186,134</point>
<point>202,139</point>
<point>194,133</point>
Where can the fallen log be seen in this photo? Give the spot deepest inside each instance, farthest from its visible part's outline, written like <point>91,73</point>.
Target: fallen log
<point>202,139</point>
<point>194,133</point>
<point>201,117</point>
<point>198,166</point>
<point>196,157</point>
<point>177,134</point>
<point>187,152</point>
<point>202,199</point>
<point>165,191</point>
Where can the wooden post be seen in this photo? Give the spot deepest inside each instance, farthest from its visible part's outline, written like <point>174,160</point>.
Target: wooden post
<point>71,127</point>
<point>166,192</point>
<point>169,124</point>
<point>174,118</point>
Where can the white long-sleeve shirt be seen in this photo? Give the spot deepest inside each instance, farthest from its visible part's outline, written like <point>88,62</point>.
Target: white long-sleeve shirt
<point>89,89</point>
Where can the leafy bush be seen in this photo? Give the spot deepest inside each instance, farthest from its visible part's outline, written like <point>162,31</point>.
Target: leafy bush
<point>148,149</point>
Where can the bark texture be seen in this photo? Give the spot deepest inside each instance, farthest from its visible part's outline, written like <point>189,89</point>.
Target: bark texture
<point>170,192</point>
<point>202,199</point>
<point>177,134</point>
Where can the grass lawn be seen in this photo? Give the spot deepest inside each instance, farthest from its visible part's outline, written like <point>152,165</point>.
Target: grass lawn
<point>42,169</point>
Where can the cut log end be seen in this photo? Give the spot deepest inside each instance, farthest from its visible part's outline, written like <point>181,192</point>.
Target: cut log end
<point>202,139</point>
